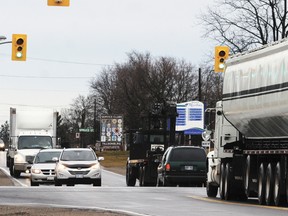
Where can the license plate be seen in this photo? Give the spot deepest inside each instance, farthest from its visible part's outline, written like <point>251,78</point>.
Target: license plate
<point>188,167</point>
<point>50,178</point>
<point>79,176</point>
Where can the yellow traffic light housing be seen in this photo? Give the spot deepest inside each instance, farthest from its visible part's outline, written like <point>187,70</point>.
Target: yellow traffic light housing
<point>58,2</point>
<point>19,47</point>
<point>221,54</point>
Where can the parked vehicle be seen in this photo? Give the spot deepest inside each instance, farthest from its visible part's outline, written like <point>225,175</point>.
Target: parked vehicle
<point>250,157</point>
<point>2,145</point>
<point>183,166</point>
<point>43,168</point>
<point>78,166</point>
<point>30,131</point>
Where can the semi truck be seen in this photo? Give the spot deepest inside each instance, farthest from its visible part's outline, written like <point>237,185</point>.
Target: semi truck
<point>148,144</point>
<point>250,157</point>
<point>30,131</point>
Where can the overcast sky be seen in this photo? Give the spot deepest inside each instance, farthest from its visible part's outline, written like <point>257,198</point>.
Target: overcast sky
<point>67,46</point>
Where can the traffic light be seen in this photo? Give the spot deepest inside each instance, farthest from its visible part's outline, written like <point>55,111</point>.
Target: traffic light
<point>19,47</point>
<point>221,54</point>
<point>58,2</point>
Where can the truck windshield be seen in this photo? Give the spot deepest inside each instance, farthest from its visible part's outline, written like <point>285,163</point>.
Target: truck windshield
<point>34,142</point>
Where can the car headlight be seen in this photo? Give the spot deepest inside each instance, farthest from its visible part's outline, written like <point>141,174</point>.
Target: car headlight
<point>36,171</point>
<point>95,166</point>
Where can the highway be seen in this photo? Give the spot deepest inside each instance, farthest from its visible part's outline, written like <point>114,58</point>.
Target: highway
<point>114,195</point>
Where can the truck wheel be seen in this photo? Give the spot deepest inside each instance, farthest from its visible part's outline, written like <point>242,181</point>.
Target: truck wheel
<point>227,182</point>
<point>7,160</point>
<point>130,178</point>
<point>211,190</point>
<point>16,173</point>
<point>278,187</point>
<point>261,184</point>
<point>222,181</point>
<point>269,184</point>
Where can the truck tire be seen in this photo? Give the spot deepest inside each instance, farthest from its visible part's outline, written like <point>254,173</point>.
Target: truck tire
<point>261,184</point>
<point>278,187</point>
<point>269,184</point>
<point>222,181</point>
<point>130,177</point>
<point>227,184</point>
<point>211,190</point>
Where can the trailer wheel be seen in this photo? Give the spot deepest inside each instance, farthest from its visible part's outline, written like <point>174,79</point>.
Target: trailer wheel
<point>261,184</point>
<point>130,178</point>
<point>269,184</point>
<point>227,182</point>
<point>211,190</point>
<point>222,181</point>
<point>278,187</point>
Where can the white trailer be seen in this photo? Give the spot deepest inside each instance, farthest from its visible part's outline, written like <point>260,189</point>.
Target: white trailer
<point>30,131</point>
<point>250,157</point>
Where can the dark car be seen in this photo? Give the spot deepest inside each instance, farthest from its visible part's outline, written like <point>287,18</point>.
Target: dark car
<point>183,166</point>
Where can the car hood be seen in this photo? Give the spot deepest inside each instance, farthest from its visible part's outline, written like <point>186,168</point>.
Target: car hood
<point>44,166</point>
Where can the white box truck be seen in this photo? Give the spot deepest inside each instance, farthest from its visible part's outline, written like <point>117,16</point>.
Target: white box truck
<point>30,131</point>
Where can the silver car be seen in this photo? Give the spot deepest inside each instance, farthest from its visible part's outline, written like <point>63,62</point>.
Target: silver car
<point>43,168</point>
<point>78,166</point>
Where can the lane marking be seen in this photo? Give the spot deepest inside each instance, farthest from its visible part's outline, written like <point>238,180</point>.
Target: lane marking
<point>207,199</point>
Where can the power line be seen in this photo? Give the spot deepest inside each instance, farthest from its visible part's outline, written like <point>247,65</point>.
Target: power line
<point>65,62</point>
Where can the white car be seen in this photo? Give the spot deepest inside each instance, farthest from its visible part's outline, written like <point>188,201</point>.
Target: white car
<point>43,168</point>
<point>78,166</point>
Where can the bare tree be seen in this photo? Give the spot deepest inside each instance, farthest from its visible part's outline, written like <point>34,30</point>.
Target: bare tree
<point>132,87</point>
<point>246,24</point>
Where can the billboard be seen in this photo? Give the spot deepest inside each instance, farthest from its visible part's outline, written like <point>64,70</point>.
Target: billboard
<point>190,117</point>
<point>111,131</point>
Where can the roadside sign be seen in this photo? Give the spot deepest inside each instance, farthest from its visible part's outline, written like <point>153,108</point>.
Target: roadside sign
<point>86,130</point>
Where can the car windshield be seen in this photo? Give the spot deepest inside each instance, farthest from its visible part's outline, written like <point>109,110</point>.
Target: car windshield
<point>188,154</point>
<point>78,156</point>
<point>46,157</point>
<point>34,142</point>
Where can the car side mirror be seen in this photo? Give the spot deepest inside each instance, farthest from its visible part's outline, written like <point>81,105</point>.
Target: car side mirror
<point>55,159</point>
<point>100,158</point>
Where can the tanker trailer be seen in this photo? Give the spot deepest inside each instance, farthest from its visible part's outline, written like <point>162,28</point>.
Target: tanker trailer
<point>250,157</point>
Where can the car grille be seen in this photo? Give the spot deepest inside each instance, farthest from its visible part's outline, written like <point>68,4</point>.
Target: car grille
<point>78,172</point>
<point>48,171</point>
<point>30,159</point>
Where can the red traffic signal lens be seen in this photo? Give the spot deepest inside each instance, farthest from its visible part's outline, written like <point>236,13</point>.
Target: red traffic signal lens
<point>19,41</point>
